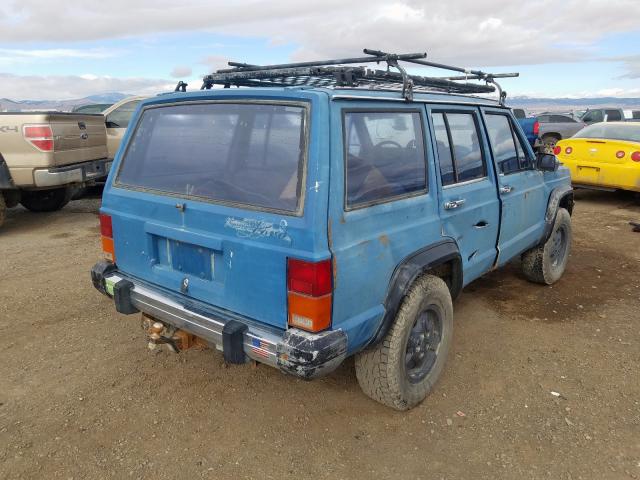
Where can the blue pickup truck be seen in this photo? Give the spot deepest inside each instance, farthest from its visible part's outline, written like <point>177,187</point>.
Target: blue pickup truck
<point>299,225</point>
<point>530,126</point>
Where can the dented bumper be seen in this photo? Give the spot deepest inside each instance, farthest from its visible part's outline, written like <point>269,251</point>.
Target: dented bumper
<point>305,355</point>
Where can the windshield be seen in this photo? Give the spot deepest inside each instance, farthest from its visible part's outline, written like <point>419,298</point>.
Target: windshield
<point>240,153</point>
<point>611,131</point>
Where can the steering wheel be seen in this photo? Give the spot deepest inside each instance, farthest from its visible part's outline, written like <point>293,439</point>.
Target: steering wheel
<point>389,142</point>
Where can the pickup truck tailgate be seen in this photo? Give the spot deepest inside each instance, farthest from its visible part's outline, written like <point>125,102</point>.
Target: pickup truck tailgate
<point>78,138</point>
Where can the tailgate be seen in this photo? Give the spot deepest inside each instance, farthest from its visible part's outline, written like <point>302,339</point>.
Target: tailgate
<point>207,203</point>
<point>78,138</point>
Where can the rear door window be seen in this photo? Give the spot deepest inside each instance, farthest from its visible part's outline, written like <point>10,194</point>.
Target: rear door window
<point>459,152</point>
<point>385,156</point>
<point>239,153</point>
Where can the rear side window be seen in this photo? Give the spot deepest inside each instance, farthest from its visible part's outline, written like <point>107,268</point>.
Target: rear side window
<point>459,152</point>
<point>508,151</point>
<point>385,156</point>
<point>238,153</point>
<point>613,115</point>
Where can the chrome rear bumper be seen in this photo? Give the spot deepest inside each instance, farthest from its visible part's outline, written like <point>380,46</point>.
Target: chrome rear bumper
<point>76,173</point>
<point>306,355</point>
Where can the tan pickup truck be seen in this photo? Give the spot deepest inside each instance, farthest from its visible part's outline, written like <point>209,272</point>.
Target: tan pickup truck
<point>44,157</point>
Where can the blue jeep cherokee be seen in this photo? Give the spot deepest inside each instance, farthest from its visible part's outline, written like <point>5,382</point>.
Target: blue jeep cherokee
<point>323,212</point>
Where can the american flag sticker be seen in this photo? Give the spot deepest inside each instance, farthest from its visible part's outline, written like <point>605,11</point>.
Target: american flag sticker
<point>260,347</point>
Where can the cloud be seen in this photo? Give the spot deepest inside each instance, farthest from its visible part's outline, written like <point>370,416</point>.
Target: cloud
<point>181,72</point>
<point>469,32</point>
<point>65,87</point>
<point>11,56</point>
<point>631,65</point>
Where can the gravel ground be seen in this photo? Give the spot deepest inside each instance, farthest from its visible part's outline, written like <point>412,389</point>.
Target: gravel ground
<point>82,397</point>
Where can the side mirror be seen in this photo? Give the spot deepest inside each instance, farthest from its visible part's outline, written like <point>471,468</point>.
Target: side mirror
<point>547,163</point>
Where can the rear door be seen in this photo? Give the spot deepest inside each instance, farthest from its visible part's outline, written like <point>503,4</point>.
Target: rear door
<point>521,186</point>
<point>468,199</point>
<point>210,199</point>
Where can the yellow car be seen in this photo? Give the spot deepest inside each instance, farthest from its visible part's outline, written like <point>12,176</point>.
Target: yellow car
<point>603,155</point>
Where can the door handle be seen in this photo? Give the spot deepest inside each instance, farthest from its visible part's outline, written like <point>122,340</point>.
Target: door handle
<point>506,189</point>
<point>450,205</point>
<point>481,224</point>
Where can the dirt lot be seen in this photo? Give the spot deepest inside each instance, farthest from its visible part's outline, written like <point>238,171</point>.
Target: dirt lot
<point>82,397</point>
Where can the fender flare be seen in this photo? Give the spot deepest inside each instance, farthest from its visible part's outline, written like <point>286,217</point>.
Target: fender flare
<point>556,197</point>
<point>411,268</point>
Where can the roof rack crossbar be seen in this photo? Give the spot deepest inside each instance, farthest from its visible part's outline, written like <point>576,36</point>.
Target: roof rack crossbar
<point>344,73</point>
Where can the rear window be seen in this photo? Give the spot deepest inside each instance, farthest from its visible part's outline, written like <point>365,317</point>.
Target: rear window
<point>239,153</point>
<point>626,132</point>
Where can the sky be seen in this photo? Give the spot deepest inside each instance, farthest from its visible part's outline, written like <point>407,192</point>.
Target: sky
<point>561,48</point>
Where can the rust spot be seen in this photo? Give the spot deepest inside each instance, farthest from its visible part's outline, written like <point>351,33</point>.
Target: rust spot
<point>342,219</point>
<point>329,235</point>
<point>334,263</point>
<point>384,240</point>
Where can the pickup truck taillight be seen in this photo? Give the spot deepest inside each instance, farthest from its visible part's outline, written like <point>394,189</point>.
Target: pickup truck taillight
<point>309,294</point>
<point>536,128</point>
<point>40,136</point>
<point>106,231</point>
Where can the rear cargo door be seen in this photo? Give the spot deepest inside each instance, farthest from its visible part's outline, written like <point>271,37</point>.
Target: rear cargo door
<point>78,138</point>
<point>209,202</point>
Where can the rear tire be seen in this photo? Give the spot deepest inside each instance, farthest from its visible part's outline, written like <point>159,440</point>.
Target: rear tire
<point>3,209</point>
<point>46,200</point>
<point>402,369</point>
<point>546,263</point>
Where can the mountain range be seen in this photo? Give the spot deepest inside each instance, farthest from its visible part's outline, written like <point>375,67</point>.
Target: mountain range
<point>529,103</point>
<point>7,105</point>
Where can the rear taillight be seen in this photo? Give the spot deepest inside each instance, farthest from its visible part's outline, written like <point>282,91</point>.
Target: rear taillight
<point>635,156</point>
<point>557,150</point>
<point>40,136</point>
<point>536,127</point>
<point>106,231</point>
<point>619,154</point>
<point>568,150</point>
<point>309,294</point>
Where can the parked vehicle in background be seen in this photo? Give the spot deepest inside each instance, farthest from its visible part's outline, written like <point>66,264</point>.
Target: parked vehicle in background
<point>299,225</point>
<point>45,156</point>
<point>632,115</point>
<point>117,118</point>
<point>603,155</point>
<point>92,108</point>
<point>596,115</point>
<point>530,126</point>
<point>554,127</point>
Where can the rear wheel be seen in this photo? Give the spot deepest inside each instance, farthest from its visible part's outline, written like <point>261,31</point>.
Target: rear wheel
<point>403,368</point>
<point>46,200</point>
<point>546,263</point>
<point>549,142</point>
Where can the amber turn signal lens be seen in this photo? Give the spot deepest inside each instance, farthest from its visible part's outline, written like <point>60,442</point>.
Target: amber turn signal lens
<point>107,248</point>
<point>309,313</point>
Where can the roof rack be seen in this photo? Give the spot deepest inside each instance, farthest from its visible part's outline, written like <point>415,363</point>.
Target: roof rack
<point>343,73</point>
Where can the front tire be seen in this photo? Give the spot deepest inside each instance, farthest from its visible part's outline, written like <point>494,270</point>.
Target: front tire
<point>46,200</point>
<point>546,263</point>
<point>402,369</point>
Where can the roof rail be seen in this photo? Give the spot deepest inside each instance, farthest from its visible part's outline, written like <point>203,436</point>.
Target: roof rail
<point>343,73</point>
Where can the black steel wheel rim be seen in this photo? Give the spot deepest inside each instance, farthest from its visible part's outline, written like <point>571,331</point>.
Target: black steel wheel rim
<point>423,344</point>
<point>558,246</point>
